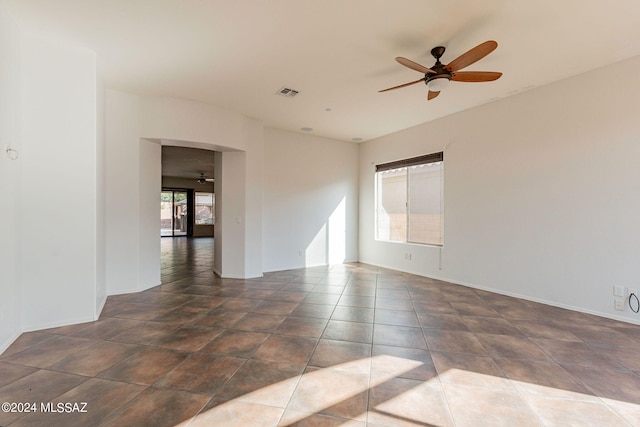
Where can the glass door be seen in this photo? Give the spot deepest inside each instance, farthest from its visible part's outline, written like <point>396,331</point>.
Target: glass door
<point>173,213</point>
<point>180,218</point>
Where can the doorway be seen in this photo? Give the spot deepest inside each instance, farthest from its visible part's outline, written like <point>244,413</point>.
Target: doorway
<point>174,213</point>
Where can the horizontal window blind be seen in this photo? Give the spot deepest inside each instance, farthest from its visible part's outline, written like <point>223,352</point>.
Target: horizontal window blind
<point>420,160</point>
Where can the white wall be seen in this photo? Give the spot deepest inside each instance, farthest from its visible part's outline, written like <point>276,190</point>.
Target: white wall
<point>58,232</point>
<point>149,225</point>
<point>101,197</point>
<point>132,202</point>
<point>310,209</point>
<point>122,175</point>
<point>10,170</point>
<point>540,193</point>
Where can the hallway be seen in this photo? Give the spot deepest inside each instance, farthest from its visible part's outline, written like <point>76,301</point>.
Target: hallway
<point>348,344</point>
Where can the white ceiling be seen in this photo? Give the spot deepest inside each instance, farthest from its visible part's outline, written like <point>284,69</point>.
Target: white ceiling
<point>338,53</point>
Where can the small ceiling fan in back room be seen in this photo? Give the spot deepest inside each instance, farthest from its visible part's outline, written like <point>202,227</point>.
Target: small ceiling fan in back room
<point>438,76</point>
<point>203,179</point>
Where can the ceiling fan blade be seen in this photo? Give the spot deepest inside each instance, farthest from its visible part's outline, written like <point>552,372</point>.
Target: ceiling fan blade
<point>476,76</point>
<point>414,65</point>
<point>471,56</point>
<point>432,95</point>
<point>398,87</point>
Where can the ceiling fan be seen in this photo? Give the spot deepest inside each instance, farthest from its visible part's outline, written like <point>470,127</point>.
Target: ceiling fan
<point>438,76</point>
<point>203,179</point>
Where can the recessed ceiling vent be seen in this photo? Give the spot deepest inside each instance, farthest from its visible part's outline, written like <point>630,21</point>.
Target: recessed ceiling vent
<point>287,92</point>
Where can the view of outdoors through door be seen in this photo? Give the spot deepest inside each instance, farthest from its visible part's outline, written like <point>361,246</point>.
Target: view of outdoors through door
<point>173,213</point>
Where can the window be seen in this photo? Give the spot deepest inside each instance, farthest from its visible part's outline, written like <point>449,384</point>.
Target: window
<point>205,203</point>
<point>409,200</point>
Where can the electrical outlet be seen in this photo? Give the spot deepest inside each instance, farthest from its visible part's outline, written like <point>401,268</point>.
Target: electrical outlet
<point>618,291</point>
<point>633,291</point>
<point>618,304</point>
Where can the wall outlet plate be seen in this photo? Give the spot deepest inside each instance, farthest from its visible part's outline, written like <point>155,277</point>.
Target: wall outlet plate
<point>618,304</point>
<point>633,291</point>
<point>618,291</point>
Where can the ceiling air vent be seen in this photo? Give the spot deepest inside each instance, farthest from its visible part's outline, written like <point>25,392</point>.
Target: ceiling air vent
<point>287,92</point>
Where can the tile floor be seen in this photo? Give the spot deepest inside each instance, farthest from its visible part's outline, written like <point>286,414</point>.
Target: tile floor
<point>349,345</point>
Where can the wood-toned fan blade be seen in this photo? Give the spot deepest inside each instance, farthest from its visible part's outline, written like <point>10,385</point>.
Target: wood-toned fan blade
<point>414,65</point>
<point>432,95</point>
<point>399,86</point>
<point>471,56</point>
<point>475,76</point>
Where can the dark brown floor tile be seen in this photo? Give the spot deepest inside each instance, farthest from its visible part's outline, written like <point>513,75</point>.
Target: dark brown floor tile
<point>393,304</point>
<point>453,341</point>
<point>405,402</point>
<point>50,351</point>
<point>95,359</point>
<point>467,309</point>
<point>536,329</point>
<point>608,383</point>
<point>258,294</point>
<point>626,355</point>
<point>236,343</point>
<point>102,398</point>
<point>396,317</point>
<point>241,304</point>
<point>511,347</point>
<point>599,334</point>
<point>348,331</point>
<point>295,350</point>
<point>320,311</point>
<point>353,314</point>
<point>187,338</point>
<point>577,353</point>
<point>289,296</point>
<point>357,301</point>
<point>219,318</point>
<point>363,291</point>
<point>327,289</point>
<point>259,322</point>
<point>276,307</point>
<point>393,293</point>
<point>263,381</point>
<point>25,341</point>
<point>40,386</point>
<point>144,332</point>
<point>316,298</point>
<point>140,311</point>
<point>433,307</point>
<point>181,314</point>
<point>144,367</point>
<point>10,372</point>
<point>402,362</point>
<point>491,325</point>
<point>543,378</point>
<point>302,327</point>
<point>400,336</point>
<point>209,302</point>
<point>449,322</point>
<point>144,409</point>
<point>105,328</point>
<point>331,353</point>
<point>201,373</point>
